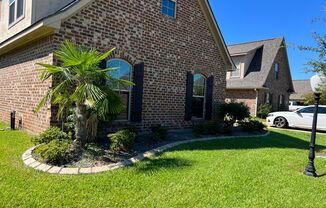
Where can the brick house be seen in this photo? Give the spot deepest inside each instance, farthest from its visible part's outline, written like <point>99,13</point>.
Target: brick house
<point>261,75</point>
<point>172,50</point>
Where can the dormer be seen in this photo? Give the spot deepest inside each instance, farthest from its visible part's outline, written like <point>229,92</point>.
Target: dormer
<point>17,15</point>
<point>242,62</point>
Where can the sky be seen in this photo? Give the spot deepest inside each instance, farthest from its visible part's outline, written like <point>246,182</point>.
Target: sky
<point>250,20</point>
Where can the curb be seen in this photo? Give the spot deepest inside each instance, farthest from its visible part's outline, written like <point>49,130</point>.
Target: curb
<point>29,161</point>
<point>297,130</point>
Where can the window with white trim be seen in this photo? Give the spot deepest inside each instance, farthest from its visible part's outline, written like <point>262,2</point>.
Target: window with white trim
<point>267,98</point>
<point>169,7</point>
<point>235,73</point>
<point>281,99</point>
<point>16,10</point>
<point>198,99</point>
<point>123,71</point>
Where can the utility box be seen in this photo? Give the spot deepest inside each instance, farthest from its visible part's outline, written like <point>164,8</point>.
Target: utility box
<point>12,120</point>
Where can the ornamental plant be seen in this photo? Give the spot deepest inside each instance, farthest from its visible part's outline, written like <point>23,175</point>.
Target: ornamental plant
<point>83,84</point>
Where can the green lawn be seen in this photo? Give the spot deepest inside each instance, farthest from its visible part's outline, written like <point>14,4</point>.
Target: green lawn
<point>253,172</point>
<point>3,125</point>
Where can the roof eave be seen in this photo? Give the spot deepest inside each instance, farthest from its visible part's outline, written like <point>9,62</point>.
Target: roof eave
<point>217,34</point>
<point>41,29</point>
<point>37,31</point>
<point>247,88</point>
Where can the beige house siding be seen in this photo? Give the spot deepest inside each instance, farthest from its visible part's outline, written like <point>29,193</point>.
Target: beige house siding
<point>6,30</point>
<point>34,10</point>
<point>245,63</point>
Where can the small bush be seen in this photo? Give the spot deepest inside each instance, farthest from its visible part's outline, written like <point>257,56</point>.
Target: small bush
<point>211,128</point>
<point>159,133</point>
<point>55,152</point>
<point>232,112</point>
<point>133,129</point>
<point>122,140</point>
<point>264,110</point>
<point>252,126</point>
<point>53,133</point>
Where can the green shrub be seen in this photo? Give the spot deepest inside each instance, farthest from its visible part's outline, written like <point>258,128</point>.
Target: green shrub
<point>55,152</point>
<point>133,129</point>
<point>264,110</point>
<point>232,112</point>
<point>122,140</point>
<point>52,133</point>
<point>252,125</point>
<point>210,128</point>
<point>159,133</point>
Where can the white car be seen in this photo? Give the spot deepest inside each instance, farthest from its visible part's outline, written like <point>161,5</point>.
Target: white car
<point>296,105</point>
<point>301,118</point>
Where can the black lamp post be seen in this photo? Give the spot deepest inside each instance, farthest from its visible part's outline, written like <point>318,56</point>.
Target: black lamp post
<point>310,169</point>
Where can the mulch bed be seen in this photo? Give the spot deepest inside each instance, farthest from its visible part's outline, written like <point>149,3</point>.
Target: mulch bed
<point>98,154</point>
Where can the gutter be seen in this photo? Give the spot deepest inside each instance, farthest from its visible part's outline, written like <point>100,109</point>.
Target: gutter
<point>247,88</point>
<point>256,106</point>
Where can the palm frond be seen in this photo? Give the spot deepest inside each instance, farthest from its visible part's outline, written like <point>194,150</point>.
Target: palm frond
<point>43,101</point>
<point>105,55</point>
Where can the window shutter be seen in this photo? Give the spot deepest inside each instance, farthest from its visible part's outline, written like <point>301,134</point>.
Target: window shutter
<point>137,93</point>
<point>103,64</point>
<point>209,98</point>
<point>189,93</point>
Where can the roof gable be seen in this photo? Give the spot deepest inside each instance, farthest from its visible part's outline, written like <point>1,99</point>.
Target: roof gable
<point>260,66</point>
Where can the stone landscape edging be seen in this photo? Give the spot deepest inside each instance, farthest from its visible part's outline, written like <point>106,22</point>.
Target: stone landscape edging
<point>29,161</point>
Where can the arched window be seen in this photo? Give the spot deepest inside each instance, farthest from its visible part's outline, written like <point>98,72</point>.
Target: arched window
<point>123,71</point>
<point>198,98</point>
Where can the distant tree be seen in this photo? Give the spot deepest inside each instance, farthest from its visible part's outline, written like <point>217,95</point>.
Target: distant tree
<point>310,98</point>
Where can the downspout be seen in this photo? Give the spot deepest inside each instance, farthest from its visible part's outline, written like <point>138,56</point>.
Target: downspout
<point>256,106</point>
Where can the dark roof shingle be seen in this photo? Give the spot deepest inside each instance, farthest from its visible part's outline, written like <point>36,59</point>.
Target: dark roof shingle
<point>266,51</point>
<point>301,88</point>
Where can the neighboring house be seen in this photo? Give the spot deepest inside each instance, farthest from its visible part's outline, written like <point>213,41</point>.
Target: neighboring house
<point>262,74</point>
<point>301,88</point>
<point>172,50</point>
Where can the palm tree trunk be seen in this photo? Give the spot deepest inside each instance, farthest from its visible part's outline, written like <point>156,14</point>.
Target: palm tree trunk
<point>81,128</point>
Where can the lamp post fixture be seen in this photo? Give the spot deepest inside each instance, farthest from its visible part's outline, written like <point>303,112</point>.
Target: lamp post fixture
<point>315,82</point>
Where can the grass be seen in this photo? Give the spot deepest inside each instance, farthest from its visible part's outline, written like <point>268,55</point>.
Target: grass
<point>253,172</point>
<point>3,125</point>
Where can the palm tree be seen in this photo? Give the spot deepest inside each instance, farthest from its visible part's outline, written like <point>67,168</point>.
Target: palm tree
<point>81,83</point>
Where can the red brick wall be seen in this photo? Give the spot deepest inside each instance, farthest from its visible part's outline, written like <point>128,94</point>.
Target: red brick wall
<point>282,85</point>
<point>168,47</point>
<point>246,96</point>
<point>20,88</point>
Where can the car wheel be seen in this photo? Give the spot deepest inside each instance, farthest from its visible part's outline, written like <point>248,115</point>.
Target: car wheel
<point>280,122</point>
